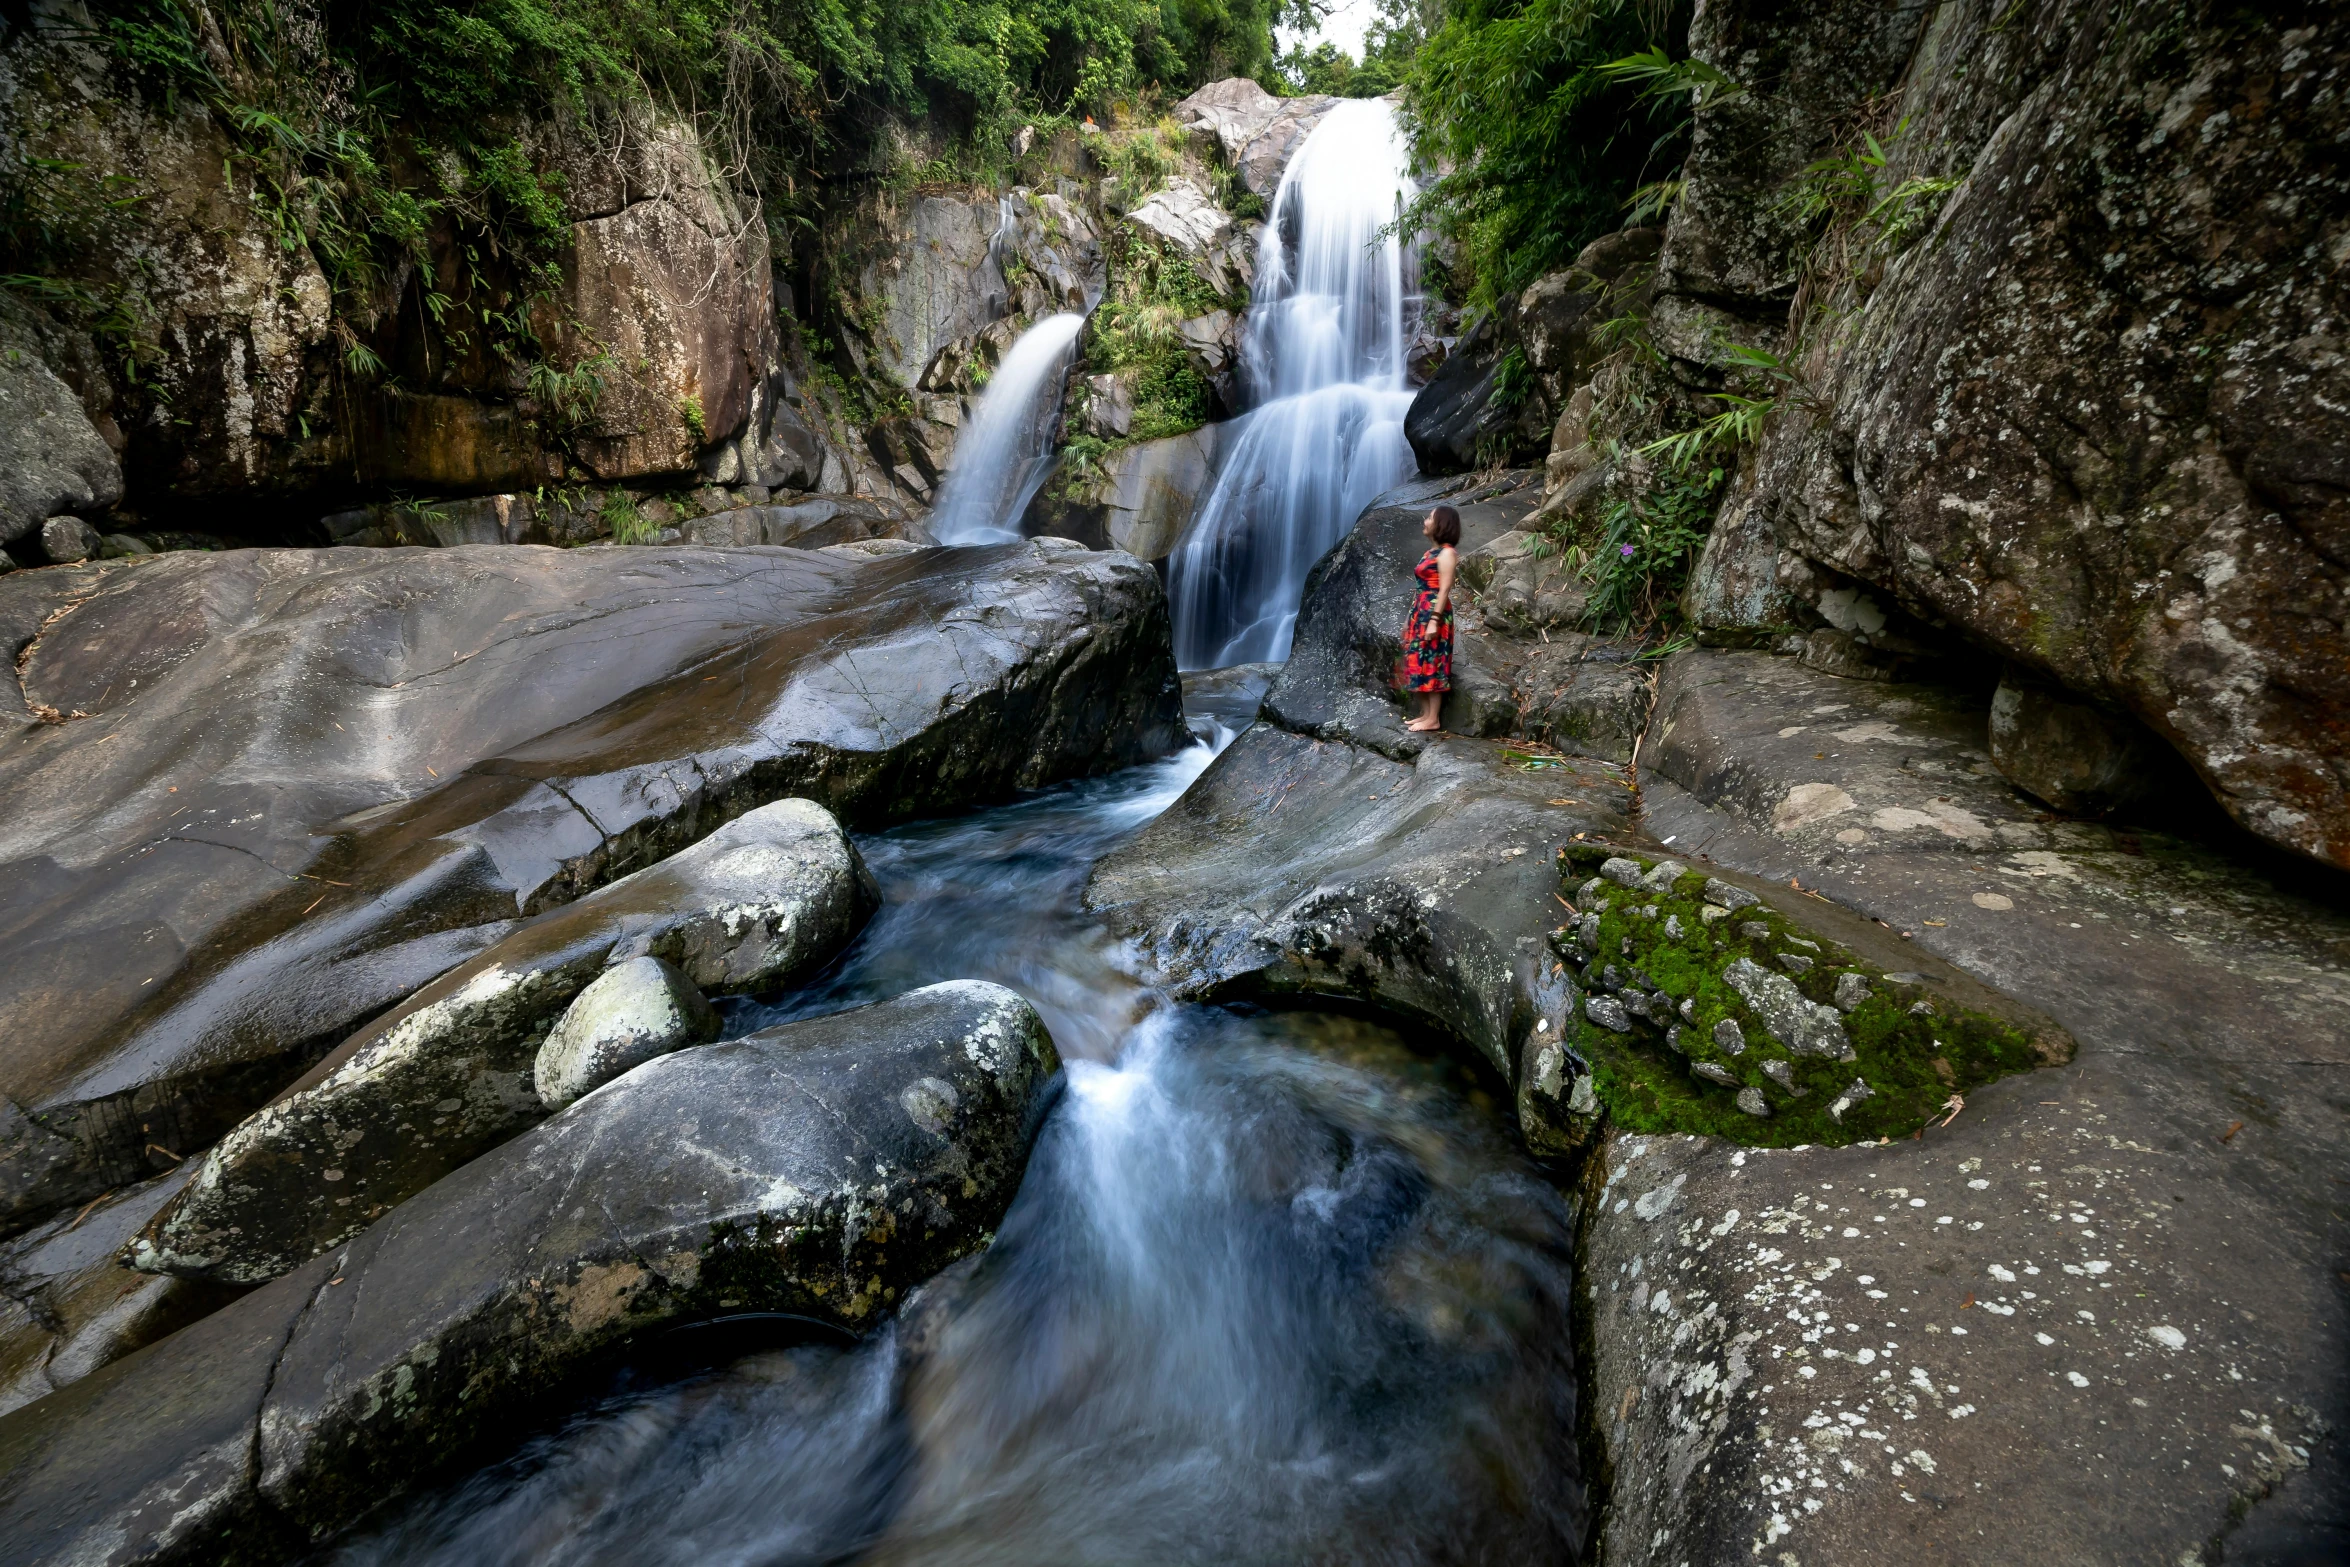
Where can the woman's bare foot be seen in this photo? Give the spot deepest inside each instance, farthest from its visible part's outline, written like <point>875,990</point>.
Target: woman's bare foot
<point>1420,725</point>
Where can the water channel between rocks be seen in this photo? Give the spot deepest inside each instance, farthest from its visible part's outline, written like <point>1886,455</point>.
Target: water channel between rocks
<point>1278,1287</point>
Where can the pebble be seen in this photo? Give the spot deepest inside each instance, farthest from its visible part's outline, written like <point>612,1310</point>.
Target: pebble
<point>1851,991</point>
<point>1723,895</point>
<point>1783,1074</point>
<point>1755,930</point>
<point>1673,927</point>
<point>1850,1097</point>
<point>1607,1012</point>
<point>1611,978</point>
<point>1715,1074</point>
<point>1730,1037</point>
<point>1588,932</point>
<point>1795,962</point>
<point>1589,891</point>
<point>1662,876</point>
<point>1673,1040</point>
<point>1750,1100</point>
<point>1801,1024</point>
<point>1623,872</point>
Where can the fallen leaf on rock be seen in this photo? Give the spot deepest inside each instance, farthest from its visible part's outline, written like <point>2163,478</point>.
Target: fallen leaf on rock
<point>1962,1305</point>
<point>2233,1128</point>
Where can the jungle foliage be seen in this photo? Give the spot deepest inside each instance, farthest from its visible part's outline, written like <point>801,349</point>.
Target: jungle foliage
<point>1546,126</point>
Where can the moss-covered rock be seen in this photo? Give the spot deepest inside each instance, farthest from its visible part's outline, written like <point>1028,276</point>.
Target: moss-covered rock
<point>1708,1009</point>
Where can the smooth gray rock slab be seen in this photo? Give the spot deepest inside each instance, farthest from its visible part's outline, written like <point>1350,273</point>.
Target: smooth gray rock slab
<point>764,901</point>
<point>314,780</point>
<point>629,1014</point>
<point>824,1167</point>
<point>1297,866</point>
<point>2174,1187</point>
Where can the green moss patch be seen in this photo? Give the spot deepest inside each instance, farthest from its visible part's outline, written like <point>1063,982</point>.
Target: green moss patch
<point>1720,996</point>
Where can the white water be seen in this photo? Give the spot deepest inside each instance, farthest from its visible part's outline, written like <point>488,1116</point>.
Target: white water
<point>1325,352</point>
<point>1005,452</point>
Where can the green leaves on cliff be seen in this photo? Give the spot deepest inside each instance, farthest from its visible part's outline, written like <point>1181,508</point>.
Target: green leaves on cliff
<point>1517,101</point>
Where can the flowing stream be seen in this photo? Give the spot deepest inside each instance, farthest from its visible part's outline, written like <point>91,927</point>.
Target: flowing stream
<point>1324,355</point>
<point>1277,1288</point>
<point>1005,454</point>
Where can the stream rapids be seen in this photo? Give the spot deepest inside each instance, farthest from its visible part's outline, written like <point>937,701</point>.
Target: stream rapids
<point>1278,1287</point>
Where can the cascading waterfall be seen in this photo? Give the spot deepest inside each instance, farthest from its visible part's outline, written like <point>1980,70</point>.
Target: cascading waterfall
<point>1324,352</point>
<point>1006,450</point>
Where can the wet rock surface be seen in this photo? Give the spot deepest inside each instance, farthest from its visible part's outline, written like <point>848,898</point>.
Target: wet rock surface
<point>1299,866</point>
<point>822,1167</point>
<point>312,781</point>
<point>2100,1302</point>
<point>68,1304</point>
<point>456,1069</point>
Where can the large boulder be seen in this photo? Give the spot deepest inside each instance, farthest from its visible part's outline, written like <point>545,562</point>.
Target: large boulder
<point>821,1168</point>
<point>761,903</point>
<point>1978,439</point>
<point>1256,133</point>
<point>669,286</point>
<point>52,461</point>
<point>1512,676</point>
<point>1328,852</point>
<point>1143,499</point>
<point>313,781</point>
<point>1187,220</point>
<point>2130,1255</point>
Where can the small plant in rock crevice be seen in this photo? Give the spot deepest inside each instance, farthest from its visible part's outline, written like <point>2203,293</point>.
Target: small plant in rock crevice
<point>1646,546</point>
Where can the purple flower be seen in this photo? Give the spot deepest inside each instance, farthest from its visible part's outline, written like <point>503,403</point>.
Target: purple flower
<point>1627,552</point>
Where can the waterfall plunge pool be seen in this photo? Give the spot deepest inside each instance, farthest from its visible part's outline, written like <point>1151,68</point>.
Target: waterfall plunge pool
<point>1277,1287</point>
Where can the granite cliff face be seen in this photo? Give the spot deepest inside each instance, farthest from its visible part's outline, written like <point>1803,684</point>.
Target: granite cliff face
<point>2070,393</point>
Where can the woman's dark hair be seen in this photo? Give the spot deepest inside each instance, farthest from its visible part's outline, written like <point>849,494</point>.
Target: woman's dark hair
<point>1448,526</point>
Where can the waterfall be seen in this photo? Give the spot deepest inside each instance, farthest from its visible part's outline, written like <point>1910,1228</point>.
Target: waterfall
<point>1006,450</point>
<point>1324,353</point>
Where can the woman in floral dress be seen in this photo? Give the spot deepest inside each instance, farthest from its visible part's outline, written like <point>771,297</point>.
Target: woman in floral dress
<point>1426,667</point>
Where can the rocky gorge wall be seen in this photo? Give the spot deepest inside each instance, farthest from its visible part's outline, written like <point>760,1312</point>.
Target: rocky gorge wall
<point>2033,309</point>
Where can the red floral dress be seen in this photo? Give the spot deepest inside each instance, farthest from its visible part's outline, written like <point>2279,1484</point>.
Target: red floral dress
<point>1427,635</point>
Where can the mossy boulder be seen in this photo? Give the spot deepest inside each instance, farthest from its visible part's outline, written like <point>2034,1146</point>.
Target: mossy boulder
<point>1709,1008</point>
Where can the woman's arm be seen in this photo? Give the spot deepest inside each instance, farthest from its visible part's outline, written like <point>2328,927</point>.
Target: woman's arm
<point>1447,561</point>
